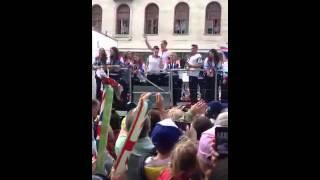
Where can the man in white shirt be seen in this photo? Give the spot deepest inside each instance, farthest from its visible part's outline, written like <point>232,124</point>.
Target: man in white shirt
<point>163,53</point>
<point>194,63</point>
<point>153,66</point>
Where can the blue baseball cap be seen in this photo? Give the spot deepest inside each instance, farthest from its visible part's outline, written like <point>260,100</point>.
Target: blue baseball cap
<point>165,134</point>
<point>215,108</point>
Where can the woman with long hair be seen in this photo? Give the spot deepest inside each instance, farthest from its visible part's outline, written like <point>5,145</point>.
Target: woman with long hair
<point>100,60</point>
<point>114,56</point>
<point>209,73</point>
<point>117,74</point>
<point>115,64</point>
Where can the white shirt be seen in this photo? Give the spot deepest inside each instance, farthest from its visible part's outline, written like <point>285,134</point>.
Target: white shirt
<point>208,65</point>
<point>154,64</point>
<point>195,60</point>
<point>164,58</point>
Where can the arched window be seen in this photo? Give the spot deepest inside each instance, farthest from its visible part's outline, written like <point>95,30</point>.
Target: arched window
<point>97,18</point>
<point>213,18</point>
<point>181,18</point>
<point>151,19</point>
<point>123,19</point>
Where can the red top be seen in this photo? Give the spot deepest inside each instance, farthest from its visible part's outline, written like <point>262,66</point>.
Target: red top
<point>166,175</point>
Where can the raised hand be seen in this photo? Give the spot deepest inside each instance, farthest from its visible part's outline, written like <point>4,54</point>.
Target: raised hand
<point>159,102</point>
<point>113,176</point>
<point>198,108</point>
<point>94,165</point>
<point>145,96</point>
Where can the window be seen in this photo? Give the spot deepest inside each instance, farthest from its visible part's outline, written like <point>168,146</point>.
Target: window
<point>181,18</point>
<point>123,19</point>
<point>213,18</point>
<point>97,18</point>
<point>151,19</point>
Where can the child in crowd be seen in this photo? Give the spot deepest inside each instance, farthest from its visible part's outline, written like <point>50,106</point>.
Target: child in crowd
<point>201,124</point>
<point>164,136</point>
<point>183,162</point>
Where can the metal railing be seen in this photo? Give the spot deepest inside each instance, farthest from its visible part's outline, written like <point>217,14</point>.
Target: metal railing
<point>188,70</point>
<point>170,72</point>
<point>162,91</point>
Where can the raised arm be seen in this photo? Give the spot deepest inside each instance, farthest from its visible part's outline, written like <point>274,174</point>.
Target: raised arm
<point>146,64</point>
<point>196,109</point>
<point>147,43</point>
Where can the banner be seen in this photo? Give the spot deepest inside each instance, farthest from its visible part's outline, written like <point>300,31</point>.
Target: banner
<point>132,138</point>
<point>108,99</point>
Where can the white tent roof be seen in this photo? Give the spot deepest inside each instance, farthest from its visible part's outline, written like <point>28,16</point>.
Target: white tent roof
<point>101,41</point>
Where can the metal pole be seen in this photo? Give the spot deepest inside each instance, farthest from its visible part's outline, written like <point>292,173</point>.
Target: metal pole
<point>171,88</point>
<point>140,92</point>
<point>146,79</point>
<point>215,85</point>
<point>130,85</point>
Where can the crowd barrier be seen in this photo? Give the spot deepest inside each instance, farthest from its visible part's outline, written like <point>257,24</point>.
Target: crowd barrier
<point>127,75</point>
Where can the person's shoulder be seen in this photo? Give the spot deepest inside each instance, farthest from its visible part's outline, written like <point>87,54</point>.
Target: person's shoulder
<point>165,174</point>
<point>192,56</point>
<point>209,132</point>
<point>148,160</point>
<point>196,56</point>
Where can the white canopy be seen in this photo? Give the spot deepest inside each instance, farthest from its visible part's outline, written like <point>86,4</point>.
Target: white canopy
<point>101,41</point>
